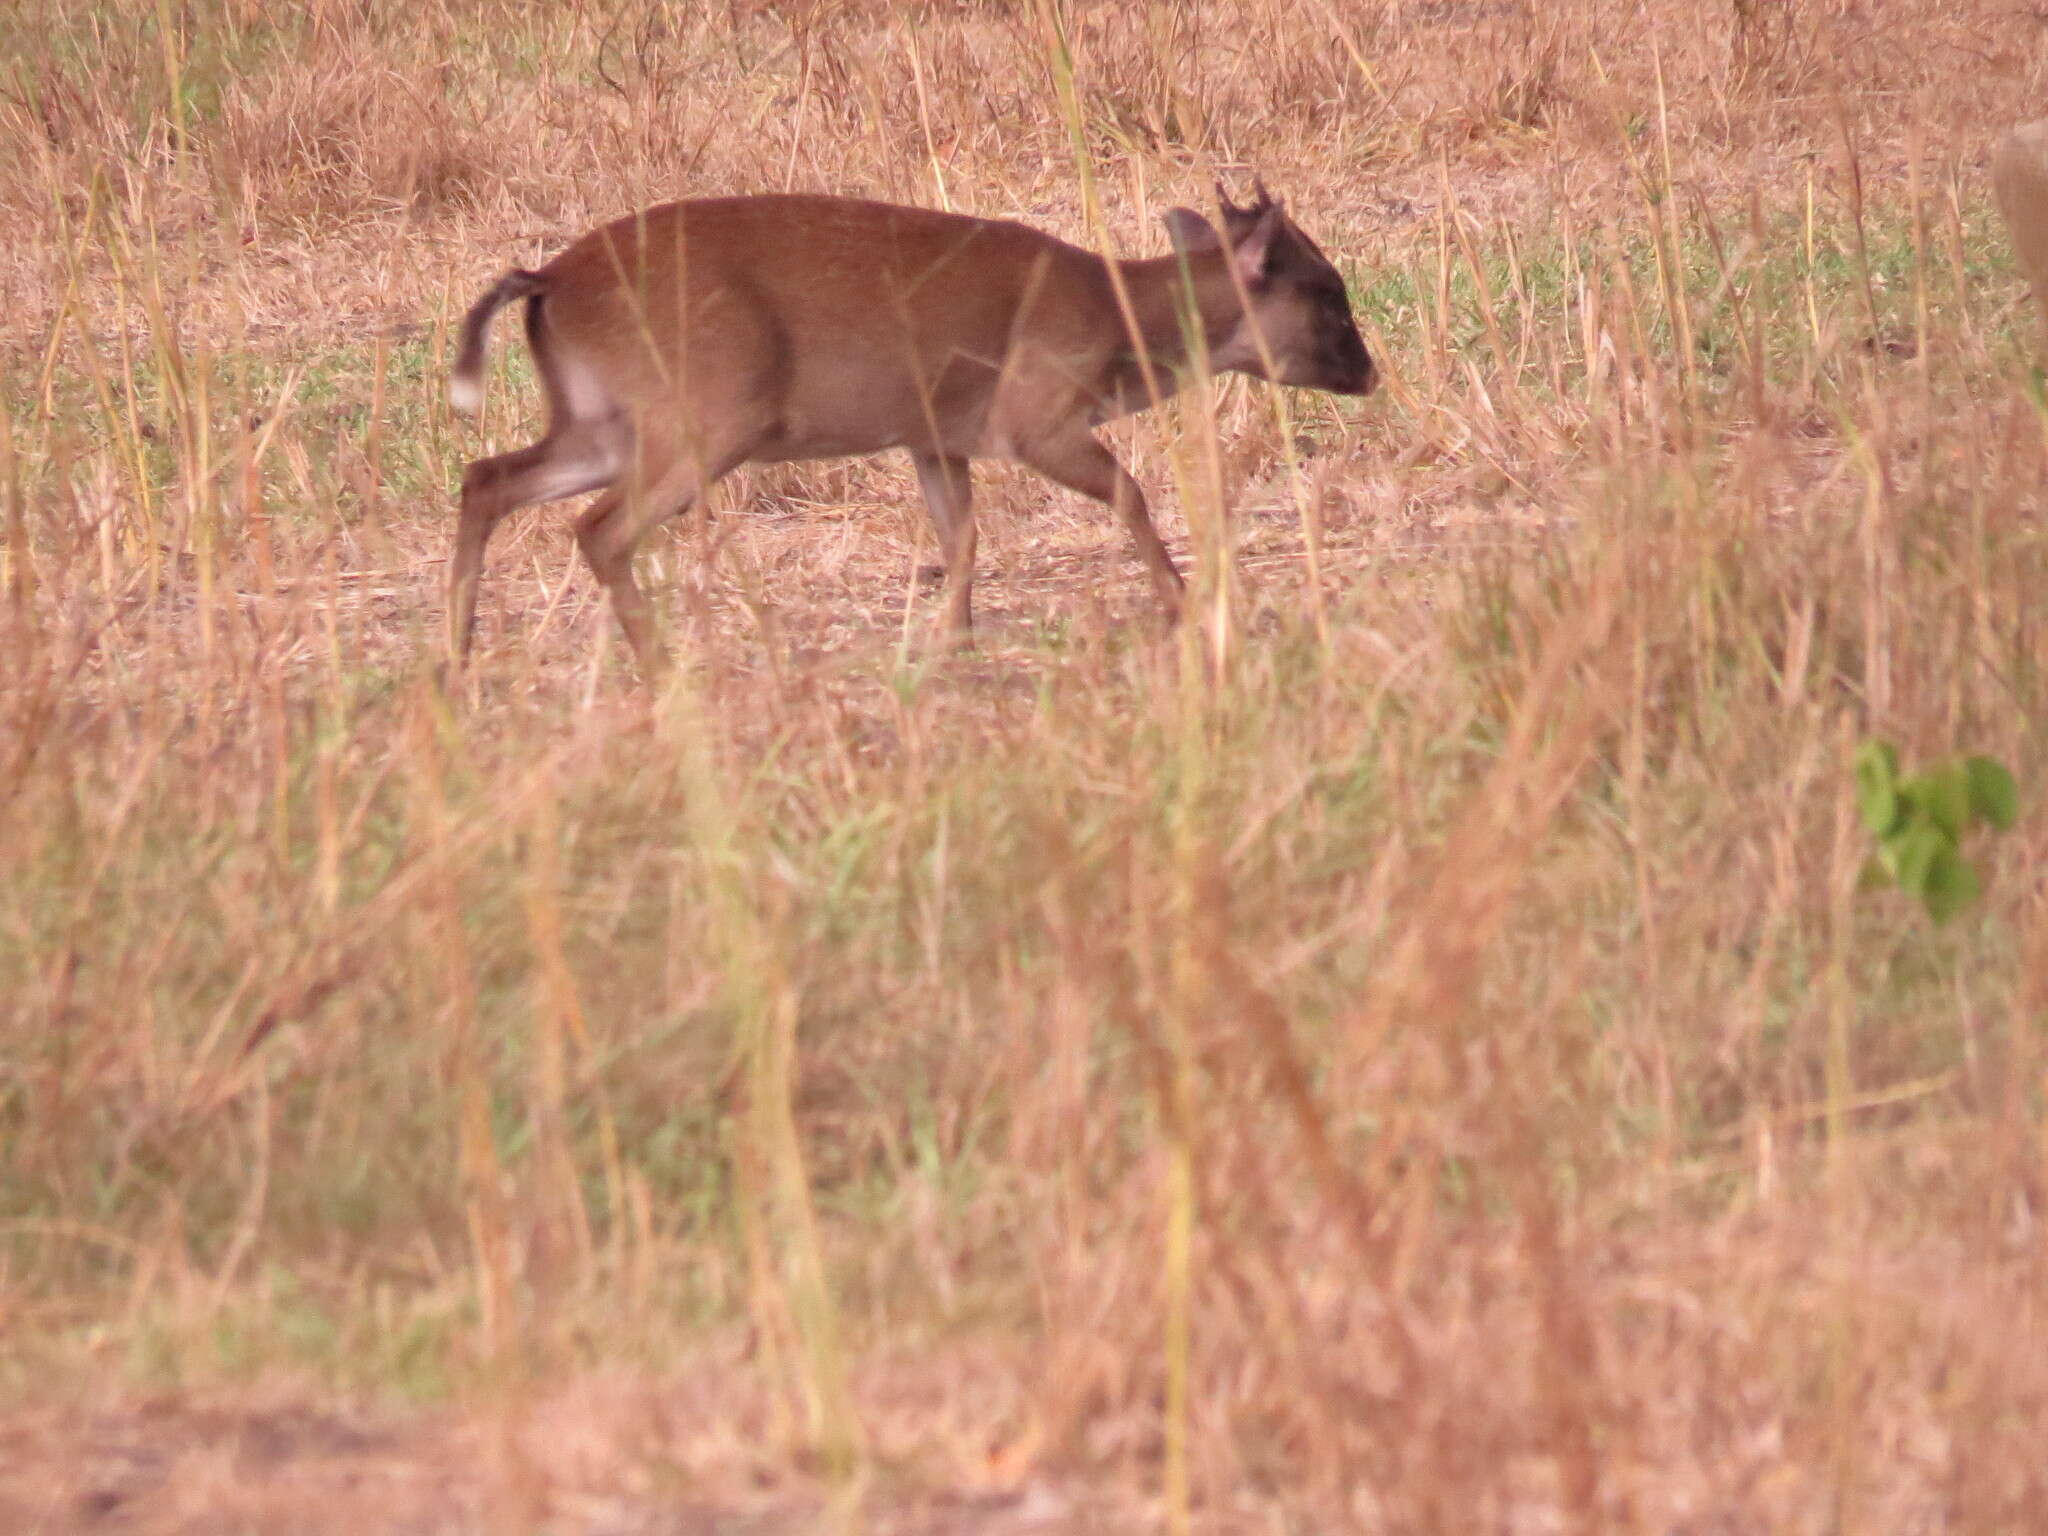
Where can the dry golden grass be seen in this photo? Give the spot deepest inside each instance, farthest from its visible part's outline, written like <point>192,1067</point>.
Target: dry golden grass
<point>1406,1054</point>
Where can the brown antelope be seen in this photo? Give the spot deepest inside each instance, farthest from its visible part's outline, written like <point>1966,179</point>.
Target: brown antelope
<point>2019,180</point>
<point>679,342</point>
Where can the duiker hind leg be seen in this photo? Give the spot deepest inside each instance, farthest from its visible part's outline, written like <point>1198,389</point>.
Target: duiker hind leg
<point>664,482</point>
<point>567,462</point>
<point>948,489</point>
<point>1082,464</point>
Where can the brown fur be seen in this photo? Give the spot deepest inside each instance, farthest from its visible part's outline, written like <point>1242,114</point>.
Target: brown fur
<point>684,340</point>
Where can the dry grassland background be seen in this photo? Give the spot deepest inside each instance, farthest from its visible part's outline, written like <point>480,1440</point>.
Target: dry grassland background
<point>1407,1053</point>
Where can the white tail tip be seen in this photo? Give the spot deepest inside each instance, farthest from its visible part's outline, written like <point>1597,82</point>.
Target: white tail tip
<point>465,394</point>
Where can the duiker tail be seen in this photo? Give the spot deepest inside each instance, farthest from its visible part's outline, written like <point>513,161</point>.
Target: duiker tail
<point>466,380</point>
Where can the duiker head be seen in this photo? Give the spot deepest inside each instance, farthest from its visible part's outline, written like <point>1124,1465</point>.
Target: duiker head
<point>1297,326</point>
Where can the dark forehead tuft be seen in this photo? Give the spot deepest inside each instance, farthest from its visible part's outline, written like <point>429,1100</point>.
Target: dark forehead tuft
<point>1309,246</point>
<point>1307,257</point>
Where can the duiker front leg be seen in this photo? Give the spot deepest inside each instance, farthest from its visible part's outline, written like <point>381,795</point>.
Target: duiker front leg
<point>1082,464</point>
<point>949,498</point>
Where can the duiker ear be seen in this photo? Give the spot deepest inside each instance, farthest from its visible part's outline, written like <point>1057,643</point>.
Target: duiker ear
<point>1191,232</point>
<point>1253,255</point>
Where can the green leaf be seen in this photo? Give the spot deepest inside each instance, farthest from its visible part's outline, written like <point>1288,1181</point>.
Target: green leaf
<point>1876,873</point>
<point>1942,795</point>
<point>1914,850</point>
<point>1993,795</point>
<point>1877,771</point>
<point>1950,885</point>
<point>1879,757</point>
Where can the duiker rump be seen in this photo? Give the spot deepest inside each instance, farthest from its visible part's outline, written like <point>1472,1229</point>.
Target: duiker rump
<point>681,341</point>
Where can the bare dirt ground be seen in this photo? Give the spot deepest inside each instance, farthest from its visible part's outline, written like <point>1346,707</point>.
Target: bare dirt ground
<point>179,1469</point>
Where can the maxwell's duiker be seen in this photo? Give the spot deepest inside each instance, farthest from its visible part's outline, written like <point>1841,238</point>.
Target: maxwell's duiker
<point>679,342</point>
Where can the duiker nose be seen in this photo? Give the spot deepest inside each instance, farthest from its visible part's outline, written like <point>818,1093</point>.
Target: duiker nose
<point>1354,366</point>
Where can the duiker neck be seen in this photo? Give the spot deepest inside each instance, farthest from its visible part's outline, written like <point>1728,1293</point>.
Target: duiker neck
<point>1160,296</point>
